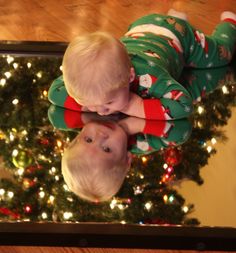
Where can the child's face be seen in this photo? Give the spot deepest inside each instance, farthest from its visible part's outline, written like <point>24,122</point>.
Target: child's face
<point>103,142</point>
<point>113,103</point>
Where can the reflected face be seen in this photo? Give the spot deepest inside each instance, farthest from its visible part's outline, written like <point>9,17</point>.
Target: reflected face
<point>105,142</point>
<point>113,103</point>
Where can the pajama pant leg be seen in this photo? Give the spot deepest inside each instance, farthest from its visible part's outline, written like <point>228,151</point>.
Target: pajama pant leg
<point>200,82</point>
<point>215,50</point>
<point>198,50</point>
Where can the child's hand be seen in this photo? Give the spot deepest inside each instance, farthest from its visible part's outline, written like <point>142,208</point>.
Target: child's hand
<point>135,106</point>
<point>84,109</point>
<point>132,125</point>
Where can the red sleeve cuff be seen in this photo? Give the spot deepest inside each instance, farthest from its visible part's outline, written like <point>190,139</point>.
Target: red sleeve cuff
<point>71,104</point>
<point>154,127</point>
<point>73,119</point>
<point>153,109</point>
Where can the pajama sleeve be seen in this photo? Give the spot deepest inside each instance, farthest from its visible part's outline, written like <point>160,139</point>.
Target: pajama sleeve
<point>161,134</point>
<point>163,97</point>
<point>64,119</point>
<point>58,95</point>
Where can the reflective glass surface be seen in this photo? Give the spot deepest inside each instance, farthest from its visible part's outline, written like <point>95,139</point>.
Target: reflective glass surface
<point>182,172</point>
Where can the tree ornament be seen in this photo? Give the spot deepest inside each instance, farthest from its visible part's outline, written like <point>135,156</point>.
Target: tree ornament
<point>22,159</point>
<point>32,168</point>
<point>172,156</point>
<point>27,183</point>
<point>28,209</point>
<point>44,141</point>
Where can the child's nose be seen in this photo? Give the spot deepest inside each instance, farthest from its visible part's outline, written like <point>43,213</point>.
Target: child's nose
<point>102,134</point>
<point>103,111</point>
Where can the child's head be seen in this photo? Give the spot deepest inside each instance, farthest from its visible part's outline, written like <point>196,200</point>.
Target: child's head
<point>96,162</point>
<point>96,72</point>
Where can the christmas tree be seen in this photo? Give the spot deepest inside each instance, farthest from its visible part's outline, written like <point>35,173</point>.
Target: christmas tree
<point>31,151</point>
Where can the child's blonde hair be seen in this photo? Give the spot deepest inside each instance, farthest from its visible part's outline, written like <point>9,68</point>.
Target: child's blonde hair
<point>94,65</point>
<point>90,183</point>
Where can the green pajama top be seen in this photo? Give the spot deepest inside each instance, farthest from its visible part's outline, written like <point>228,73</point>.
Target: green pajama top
<point>159,47</point>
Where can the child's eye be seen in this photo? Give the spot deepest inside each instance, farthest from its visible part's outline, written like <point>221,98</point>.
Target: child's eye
<point>109,102</point>
<point>106,149</point>
<point>88,139</point>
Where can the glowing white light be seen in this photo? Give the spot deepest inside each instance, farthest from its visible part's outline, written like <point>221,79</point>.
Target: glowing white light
<point>70,199</point>
<point>67,215</point>
<point>113,203</point>
<point>10,194</point>
<point>200,109</point>
<point>213,141</point>
<point>61,68</point>
<point>53,169</point>
<point>2,191</point>
<point>123,222</point>
<point>171,198</point>
<point>165,166</point>
<point>15,101</point>
<point>185,209</point>
<point>209,149</point>
<point>2,81</point>
<point>42,194</point>
<point>15,65</point>
<point>10,59</point>
<point>57,178</point>
<point>12,137</point>
<point>120,206</point>
<point>39,74</point>
<point>15,152</point>
<point>225,90</point>
<point>65,187</point>
<point>29,65</point>
<point>44,215</point>
<point>24,132</point>
<point>7,74</point>
<point>51,198</point>
<point>148,205</point>
<point>20,171</point>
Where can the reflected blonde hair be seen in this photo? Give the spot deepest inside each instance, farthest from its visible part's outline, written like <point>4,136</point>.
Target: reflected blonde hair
<point>91,182</point>
<point>94,65</point>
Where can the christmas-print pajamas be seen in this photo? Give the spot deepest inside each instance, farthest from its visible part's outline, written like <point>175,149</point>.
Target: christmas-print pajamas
<point>159,47</point>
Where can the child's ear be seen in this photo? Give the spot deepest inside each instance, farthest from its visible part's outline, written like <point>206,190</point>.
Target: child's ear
<point>132,75</point>
<point>129,159</point>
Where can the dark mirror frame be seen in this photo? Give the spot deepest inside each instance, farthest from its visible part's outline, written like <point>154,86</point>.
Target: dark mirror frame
<point>106,235</point>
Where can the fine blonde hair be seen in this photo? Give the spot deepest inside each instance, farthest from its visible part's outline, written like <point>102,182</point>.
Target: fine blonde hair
<point>94,65</point>
<point>90,183</point>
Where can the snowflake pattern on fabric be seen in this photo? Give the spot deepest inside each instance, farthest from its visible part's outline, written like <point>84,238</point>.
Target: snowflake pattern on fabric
<point>210,64</point>
<point>158,18</point>
<point>223,35</point>
<point>208,76</point>
<point>187,109</point>
<point>151,64</point>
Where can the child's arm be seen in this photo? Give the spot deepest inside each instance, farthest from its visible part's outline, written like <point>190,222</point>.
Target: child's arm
<point>58,95</point>
<point>173,104</point>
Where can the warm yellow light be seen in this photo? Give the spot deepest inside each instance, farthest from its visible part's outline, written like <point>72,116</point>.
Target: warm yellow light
<point>144,159</point>
<point>200,109</point>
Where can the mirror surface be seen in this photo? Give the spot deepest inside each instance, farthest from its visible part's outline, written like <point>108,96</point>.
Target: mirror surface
<point>181,173</point>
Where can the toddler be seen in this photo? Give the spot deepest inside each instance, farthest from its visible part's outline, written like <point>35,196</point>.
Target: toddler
<point>137,74</point>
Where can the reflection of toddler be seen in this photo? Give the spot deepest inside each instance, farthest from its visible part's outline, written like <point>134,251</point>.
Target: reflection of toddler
<point>138,76</point>
<point>96,162</point>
